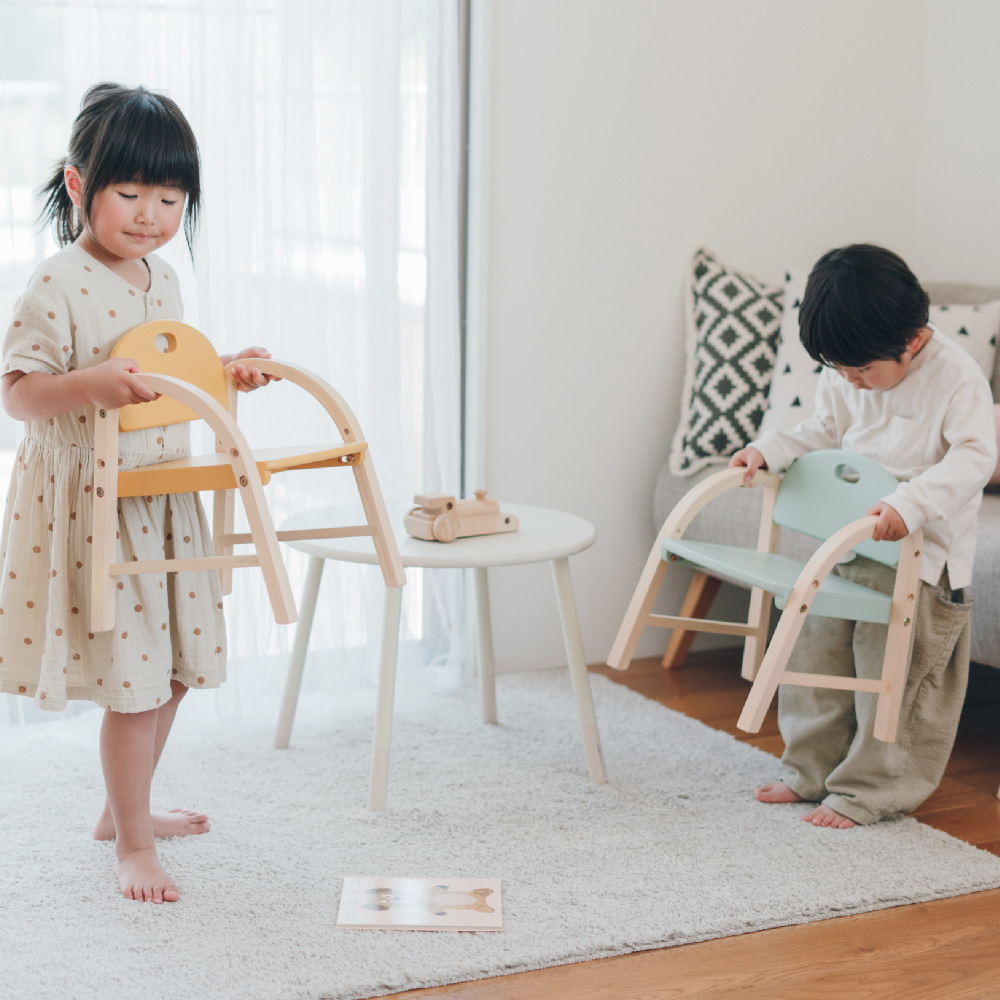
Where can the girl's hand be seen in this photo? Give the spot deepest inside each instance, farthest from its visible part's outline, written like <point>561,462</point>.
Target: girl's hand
<point>116,383</point>
<point>248,377</point>
<point>750,459</point>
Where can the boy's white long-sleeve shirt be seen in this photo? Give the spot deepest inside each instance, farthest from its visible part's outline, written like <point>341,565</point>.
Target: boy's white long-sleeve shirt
<point>934,431</point>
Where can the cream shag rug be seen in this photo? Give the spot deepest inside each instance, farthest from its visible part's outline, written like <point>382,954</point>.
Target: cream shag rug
<point>674,849</point>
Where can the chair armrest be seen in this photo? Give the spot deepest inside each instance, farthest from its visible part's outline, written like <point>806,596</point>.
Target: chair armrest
<point>230,441</point>
<point>318,388</point>
<point>838,545</point>
<point>216,416</point>
<point>700,495</point>
<point>637,615</point>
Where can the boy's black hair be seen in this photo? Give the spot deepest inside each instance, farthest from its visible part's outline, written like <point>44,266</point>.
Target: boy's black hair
<point>124,135</point>
<point>861,304</point>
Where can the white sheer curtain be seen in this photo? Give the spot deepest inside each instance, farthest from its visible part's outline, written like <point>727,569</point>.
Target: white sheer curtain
<point>329,133</point>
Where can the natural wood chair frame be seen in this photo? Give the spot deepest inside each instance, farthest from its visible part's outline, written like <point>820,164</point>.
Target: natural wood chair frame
<point>194,384</point>
<point>766,664</point>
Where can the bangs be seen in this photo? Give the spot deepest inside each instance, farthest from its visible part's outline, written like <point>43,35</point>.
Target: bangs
<point>143,142</point>
<point>843,351</point>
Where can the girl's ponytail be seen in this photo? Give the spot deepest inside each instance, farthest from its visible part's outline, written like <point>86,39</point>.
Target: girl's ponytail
<point>58,209</point>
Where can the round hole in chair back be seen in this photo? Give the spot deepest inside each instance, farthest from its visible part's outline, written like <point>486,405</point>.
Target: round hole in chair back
<point>847,473</point>
<point>165,343</point>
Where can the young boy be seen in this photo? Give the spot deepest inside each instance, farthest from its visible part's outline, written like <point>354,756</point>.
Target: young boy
<point>918,404</point>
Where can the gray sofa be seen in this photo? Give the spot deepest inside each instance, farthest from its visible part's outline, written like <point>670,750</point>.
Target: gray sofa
<point>734,517</point>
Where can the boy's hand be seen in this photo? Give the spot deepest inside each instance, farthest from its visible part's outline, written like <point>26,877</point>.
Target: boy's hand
<point>247,377</point>
<point>890,527</point>
<point>749,458</point>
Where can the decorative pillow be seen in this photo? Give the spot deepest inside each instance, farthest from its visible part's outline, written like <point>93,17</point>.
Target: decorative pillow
<point>974,327</point>
<point>732,337</point>
<point>793,388</point>
<point>796,375</point>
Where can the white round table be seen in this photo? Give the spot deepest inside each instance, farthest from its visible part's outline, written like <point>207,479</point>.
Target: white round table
<point>543,536</point>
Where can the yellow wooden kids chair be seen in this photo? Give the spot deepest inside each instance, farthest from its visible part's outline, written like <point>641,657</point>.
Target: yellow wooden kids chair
<point>825,495</point>
<point>180,363</point>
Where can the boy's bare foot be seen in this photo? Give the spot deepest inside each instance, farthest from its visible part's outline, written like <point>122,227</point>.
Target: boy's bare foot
<point>825,816</point>
<point>176,823</point>
<point>777,791</point>
<point>143,878</point>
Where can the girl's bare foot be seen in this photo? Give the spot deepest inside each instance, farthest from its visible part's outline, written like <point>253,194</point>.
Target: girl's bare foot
<point>143,878</point>
<point>777,791</point>
<point>176,823</point>
<point>825,816</point>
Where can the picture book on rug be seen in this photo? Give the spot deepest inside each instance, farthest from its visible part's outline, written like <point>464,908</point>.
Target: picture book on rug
<point>421,904</point>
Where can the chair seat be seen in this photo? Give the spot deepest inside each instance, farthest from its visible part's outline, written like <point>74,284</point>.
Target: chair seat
<point>836,597</point>
<point>213,471</point>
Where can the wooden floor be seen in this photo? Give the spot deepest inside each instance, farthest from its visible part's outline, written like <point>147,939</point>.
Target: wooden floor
<point>943,950</point>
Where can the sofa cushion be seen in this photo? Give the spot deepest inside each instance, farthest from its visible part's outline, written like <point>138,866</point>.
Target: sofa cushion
<point>949,292</point>
<point>995,478</point>
<point>985,589</point>
<point>731,339</point>
<point>975,327</point>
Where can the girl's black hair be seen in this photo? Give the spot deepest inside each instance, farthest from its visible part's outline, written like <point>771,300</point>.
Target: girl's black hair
<point>124,135</point>
<point>861,304</point>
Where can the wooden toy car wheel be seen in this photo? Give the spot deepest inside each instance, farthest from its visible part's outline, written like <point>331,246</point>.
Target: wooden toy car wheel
<point>446,527</point>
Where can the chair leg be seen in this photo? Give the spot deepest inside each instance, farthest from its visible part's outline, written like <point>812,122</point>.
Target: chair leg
<point>638,610</point>
<point>697,601</point>
<point>756,644</point>
<point>898,640</point>
<point>771,668</point>
<point>895,667</point>
<point>299,649</point>
<point>378,520</point>
<point>265,541</point>
<point>262,533</point>
<point>223,518</point>
<point>105,520</point>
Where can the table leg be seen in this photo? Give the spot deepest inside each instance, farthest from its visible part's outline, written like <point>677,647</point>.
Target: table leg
<point>307,608</point>
<point>578,669</point>
<point>484,633</point>
<point>379,778</point>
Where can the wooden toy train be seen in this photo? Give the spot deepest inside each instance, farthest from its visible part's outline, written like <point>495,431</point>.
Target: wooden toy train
<point>441,518</point>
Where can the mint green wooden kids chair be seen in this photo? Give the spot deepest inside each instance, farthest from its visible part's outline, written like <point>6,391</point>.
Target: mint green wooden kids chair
<point>825,495</point>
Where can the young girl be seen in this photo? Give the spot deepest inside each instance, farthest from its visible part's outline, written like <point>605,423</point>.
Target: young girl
<point>130,179</point>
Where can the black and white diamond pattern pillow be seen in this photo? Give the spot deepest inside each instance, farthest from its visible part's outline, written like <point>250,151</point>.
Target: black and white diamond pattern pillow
<point>796,375</point>
<point>732,337</point>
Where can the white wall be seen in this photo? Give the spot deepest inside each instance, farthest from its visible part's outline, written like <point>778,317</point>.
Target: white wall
<point>624,135</point>
<point>959,195</point>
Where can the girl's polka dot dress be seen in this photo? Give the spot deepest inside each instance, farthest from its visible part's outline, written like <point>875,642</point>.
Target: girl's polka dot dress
<point>167,626</point>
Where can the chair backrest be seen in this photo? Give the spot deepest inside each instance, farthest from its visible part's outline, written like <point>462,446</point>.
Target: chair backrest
<point>824,490</point>
<point>167,347</point>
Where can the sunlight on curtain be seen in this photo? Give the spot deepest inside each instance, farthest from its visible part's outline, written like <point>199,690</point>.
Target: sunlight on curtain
<point>329,135</point>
